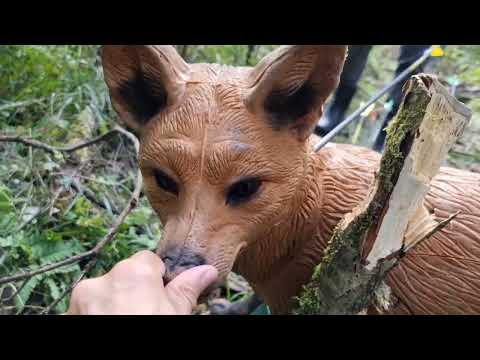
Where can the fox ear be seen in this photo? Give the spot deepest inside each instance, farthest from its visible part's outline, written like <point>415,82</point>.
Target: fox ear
<point>290,86</point>
<point>143,80</point>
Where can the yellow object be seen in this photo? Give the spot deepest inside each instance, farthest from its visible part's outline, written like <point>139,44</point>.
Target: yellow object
<point>368,110</point>
<point>437,51</point>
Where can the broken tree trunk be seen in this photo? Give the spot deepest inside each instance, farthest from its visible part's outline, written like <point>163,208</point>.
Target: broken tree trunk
<point>392,219</point>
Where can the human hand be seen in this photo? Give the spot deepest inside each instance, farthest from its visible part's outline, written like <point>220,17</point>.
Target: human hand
<point>135,287</point>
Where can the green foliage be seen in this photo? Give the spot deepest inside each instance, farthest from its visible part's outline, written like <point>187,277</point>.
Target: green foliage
<point>44,91</point>
<point>228,54</point>
<point>36,81</point>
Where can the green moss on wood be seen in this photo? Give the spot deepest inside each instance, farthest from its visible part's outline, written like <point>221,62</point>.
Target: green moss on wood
<point>341,284</point>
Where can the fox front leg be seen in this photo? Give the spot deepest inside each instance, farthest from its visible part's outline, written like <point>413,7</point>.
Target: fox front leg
<point>243,307</point>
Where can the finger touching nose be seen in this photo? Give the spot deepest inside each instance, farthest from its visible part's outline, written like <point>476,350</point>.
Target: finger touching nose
<point>178,260</point>
<point>186,288</point>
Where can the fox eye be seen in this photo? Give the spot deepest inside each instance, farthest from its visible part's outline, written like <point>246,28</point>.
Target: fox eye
<point>165,182</point>
<point>243,191</point>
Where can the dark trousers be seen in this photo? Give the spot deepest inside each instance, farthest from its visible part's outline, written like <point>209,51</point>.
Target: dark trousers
<point>352,72</point>
<point>408,55</point>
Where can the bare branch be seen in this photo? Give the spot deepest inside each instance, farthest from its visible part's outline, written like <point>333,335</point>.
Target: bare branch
<point>132,137</point>
<point>76,183</point>
<point>52,149</point>
<point>47,268</point>
<point>11,297</point>
<point>67,291</point>
<point>432,232</point>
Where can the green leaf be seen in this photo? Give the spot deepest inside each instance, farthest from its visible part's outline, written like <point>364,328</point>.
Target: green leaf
<point>54,290</point>
<point>24,295</point>
<point>144,241</point>
<point>6,205</point>
<point>8,241</point>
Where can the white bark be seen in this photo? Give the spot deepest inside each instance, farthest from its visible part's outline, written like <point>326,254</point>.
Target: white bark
<point>406,222</point>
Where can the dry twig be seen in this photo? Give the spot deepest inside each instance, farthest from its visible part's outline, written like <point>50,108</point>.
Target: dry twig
<point>68,149</point>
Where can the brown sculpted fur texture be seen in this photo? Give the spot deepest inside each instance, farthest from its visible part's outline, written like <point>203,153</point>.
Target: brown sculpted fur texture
<point>227,159</point>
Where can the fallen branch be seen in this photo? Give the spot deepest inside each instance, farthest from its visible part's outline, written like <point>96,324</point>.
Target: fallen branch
<point>70,288</point>
<point>17,291</point>
<point>90,195</point>
<point>68,149</point>
<point>47,268</point>
<point>371,239</point>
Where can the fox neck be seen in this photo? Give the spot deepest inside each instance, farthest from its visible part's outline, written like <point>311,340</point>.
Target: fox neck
<point>278,266</point>
<point>273,265</point>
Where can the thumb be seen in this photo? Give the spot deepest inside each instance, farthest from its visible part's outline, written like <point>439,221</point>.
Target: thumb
<point>184,291</point>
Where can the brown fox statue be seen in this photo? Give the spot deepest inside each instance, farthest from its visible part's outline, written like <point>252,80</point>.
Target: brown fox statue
<point>228,163</point>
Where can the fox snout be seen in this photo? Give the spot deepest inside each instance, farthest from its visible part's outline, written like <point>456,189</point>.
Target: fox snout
<point>178,259</point>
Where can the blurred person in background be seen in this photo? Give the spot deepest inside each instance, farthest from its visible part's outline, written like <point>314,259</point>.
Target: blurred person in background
<point>352,72</point>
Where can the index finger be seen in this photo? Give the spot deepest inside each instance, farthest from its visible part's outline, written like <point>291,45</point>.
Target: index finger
<point>151,259</point>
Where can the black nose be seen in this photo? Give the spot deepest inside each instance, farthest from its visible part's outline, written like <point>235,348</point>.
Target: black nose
<point>179,259</point>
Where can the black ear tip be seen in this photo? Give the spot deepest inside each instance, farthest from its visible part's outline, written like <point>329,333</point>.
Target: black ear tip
<point>286,108</point>
<point>143,97</point>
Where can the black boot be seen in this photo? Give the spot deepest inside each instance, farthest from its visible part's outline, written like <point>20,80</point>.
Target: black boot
<point>243,307</point>
<point>336,111</point>
<point>352,72</point>
<point>379,142</point>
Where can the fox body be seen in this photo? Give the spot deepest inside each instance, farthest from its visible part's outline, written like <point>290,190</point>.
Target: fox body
<point>228,164</point>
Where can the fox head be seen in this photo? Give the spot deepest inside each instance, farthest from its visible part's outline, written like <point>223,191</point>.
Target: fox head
<point>222,149</point>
